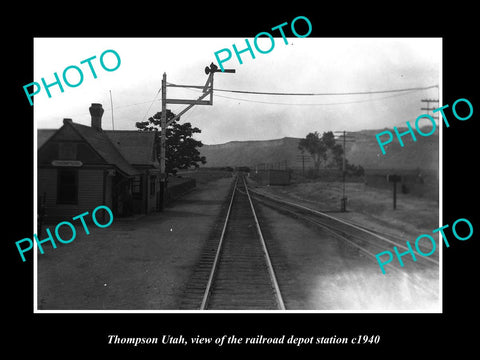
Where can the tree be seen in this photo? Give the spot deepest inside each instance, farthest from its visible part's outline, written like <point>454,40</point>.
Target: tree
<point>181,148</point>
<point>320,147</point>
<point>315,147</point>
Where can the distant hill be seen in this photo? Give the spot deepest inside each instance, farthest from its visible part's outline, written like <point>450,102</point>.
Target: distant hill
<point>363,151</point>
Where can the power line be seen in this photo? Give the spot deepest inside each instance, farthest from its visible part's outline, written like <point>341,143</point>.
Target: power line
<point>158,92</point>
<point>314,104</point>
<point>401,91</point>
<point>310,104</point>
<point>326,93</point>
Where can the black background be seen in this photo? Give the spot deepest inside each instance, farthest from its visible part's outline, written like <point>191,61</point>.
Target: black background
<point>56,335</point>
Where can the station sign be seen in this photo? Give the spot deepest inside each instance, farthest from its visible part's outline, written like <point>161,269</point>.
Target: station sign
<point>74,163</point>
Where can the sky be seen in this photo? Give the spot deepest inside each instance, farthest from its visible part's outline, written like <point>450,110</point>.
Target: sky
<point>305,65</point>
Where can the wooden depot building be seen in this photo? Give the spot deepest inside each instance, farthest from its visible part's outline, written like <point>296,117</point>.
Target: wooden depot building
<point>81,167</point>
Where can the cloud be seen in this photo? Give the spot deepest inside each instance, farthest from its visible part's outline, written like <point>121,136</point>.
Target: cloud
<point>305,65</point>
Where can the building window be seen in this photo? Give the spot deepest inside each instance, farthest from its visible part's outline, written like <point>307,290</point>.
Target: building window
<point>67,186</point>
<point>152,185</point>
<point>137,186</point>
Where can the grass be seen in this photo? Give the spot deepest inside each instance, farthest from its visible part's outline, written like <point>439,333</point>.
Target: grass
<point>204,176</point>
<point>413,215</point>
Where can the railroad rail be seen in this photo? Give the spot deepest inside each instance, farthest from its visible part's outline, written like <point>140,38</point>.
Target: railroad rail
<point>366,240</point>
<point>242,275</point>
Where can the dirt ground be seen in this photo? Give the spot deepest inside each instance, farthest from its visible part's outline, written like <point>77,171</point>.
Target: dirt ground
<point>134,264</point>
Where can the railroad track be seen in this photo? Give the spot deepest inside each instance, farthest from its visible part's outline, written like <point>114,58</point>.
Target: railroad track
<point>368,241</point>
<point>242,276</point>
<point>235,271</point>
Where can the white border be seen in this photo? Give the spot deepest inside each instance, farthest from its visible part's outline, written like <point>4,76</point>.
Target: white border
<point>201,312</point>
<point>440,179</point>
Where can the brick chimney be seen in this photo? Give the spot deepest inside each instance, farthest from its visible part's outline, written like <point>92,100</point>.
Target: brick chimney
<point>96,112</point>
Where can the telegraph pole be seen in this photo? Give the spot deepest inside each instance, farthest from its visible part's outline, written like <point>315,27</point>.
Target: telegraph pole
<point>343,205</point>
<point>163,137</point>
<point>344,198</point>
<point>207,89</point>
<point>303,158</point>
<point>428,108</point>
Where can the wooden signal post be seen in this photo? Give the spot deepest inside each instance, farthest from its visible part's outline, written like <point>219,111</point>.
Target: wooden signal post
<point>207,89</point>
<point>394,178</point>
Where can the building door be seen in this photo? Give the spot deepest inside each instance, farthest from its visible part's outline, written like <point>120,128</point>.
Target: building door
<point>121,196</point>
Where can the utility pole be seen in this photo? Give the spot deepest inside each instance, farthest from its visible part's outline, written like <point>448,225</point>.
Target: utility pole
<point>163,137</point>
<point>207,89</point>
<point>344,198</point>
<point>302,157</point>
<point>303,165</point>
<point>428,108</point>
<point>343,204</point>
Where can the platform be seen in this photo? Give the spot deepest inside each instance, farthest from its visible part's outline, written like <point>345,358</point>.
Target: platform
<point>135,264</point>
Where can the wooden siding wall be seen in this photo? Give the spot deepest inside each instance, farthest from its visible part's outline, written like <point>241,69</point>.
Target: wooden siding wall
<point>90,193</point>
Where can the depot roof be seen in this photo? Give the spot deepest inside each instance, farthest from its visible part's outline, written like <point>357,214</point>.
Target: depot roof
<point>123,148</point>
